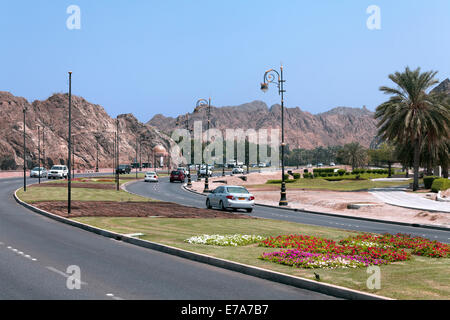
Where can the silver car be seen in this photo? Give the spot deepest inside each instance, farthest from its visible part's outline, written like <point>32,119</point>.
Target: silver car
<point>36,172</point>
<point>234,197</point>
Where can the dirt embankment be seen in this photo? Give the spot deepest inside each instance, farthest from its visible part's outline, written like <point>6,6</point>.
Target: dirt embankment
<point>133,209</point>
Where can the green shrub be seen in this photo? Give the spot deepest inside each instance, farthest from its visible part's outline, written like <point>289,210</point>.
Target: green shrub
<point>440,184</point>
<point>347,173</point>
<point>341,172</point>
<point>305,171</point>
<point>278,181</point>
<point>297,175</point>
<point>428,181</point>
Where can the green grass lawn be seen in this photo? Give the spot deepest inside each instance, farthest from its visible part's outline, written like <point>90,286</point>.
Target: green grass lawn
<point>418,278</point>
<point>343,185</point>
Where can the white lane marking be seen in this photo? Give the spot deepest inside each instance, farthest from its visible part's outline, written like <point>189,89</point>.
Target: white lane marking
<point>113,297</point>
<point>65,275</point>
<point>21,253</point>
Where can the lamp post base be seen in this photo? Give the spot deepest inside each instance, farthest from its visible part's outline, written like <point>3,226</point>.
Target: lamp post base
<point>189,183</point>
<point>283,201</point>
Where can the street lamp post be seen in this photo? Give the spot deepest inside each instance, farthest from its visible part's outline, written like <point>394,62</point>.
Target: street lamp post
<point>69,186</point>
<point>117,155</point>
<point>24,152</point>
<point>203,103</point>
<point>39,153</point>
<point>273,76</point>
<point>136,164</point>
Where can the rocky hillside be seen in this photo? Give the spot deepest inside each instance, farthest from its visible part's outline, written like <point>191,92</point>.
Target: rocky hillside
<point>90,124</point>
<point>338,126</point>
<point>335,127</point>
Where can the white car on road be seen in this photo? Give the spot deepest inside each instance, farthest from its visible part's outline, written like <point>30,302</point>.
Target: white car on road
<point>237,170</point>
<point>234,197</point>
<point>58,172</point>
<point>151,176</point>
<point>36,172</point>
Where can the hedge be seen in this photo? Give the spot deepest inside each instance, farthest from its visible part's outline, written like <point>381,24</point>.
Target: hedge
<point>428,181</point>
<point>440,184</point>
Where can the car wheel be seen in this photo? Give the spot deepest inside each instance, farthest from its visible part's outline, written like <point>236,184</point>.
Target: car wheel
<point>222,207</point>
<point>208,204</point>
<point>249,210</point>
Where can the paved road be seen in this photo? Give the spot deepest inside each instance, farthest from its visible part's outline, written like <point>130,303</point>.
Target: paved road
<point>173,192</point>
<point>36,251</point>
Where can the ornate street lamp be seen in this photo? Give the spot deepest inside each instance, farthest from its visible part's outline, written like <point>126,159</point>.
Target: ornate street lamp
<point>203,103</point>
<point>39,153</point>
<point>273,76</point>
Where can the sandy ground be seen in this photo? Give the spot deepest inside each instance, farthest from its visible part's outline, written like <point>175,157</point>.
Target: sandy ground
<point>334,202</point>
<point>133,209</point>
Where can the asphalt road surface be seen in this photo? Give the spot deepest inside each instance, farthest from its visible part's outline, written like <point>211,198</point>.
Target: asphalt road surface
<point>173,192</point>
<point>36,255</point>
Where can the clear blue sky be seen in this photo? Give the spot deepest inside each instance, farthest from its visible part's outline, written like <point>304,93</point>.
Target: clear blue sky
<point>149,57</point>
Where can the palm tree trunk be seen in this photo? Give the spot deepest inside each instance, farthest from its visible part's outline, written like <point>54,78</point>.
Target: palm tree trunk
<point>416,165</point>
<point>445,171</point>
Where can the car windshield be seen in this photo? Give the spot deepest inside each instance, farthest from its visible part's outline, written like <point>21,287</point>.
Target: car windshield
<point>37,169</point>
<point>175,172</point>
<point>151,173</point>
<point>236,190</point>
<point>57,168</point>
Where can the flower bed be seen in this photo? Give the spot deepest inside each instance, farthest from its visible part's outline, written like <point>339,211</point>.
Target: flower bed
<point>301,259</point>
<point>325,246</point>
<point>225,240</point>
<point>418,245</point>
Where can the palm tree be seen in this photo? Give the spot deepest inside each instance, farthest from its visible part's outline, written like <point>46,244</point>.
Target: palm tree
<point>353,154</point>
<point>411,114</point>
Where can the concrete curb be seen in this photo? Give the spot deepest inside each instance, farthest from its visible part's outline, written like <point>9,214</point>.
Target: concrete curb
<point>328,289</point>
<point>426,226</point>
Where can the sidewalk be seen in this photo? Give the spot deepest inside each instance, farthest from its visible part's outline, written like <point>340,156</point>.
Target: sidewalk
<point>400,198</point>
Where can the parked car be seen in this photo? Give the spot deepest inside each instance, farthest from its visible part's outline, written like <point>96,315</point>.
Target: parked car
<point>237,170</point>
<point>309,165</point>
<point>234,197</point>
<point>151,176</point>
<point>58,172</point>
<point>177,175</point>
<point>36,172</point>
<point>332,164</point>
<point>123,168</point>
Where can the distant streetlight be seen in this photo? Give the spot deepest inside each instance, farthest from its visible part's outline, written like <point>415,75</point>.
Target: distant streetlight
<point>203,103</point>
<point>117,155</point>
<point>24,151</point>
<point>39,153</point>
<point>273,76</point>
<point>188,161</point>
<point>69,186</point>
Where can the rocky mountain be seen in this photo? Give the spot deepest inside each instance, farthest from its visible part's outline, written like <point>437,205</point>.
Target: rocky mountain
<point>90,125</point>
<point>443,87</point>
<point>336,127</point>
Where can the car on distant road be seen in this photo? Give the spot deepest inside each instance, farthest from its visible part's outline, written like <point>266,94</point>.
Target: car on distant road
<point>177,175</point>
<point>151,176</point>
<point>185,170</point>
<point>332,164</point>
<point>233,197</point>
<point>58,172</point>
<point>38,171</point>
<point>123,169</point>
<point>237,170</point>
<point>202,172</point>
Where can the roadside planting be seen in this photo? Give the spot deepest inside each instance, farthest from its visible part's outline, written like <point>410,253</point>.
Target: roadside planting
<point>353,252</point>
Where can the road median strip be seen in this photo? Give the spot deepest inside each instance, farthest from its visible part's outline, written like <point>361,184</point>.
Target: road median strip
<point>325,288</point>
